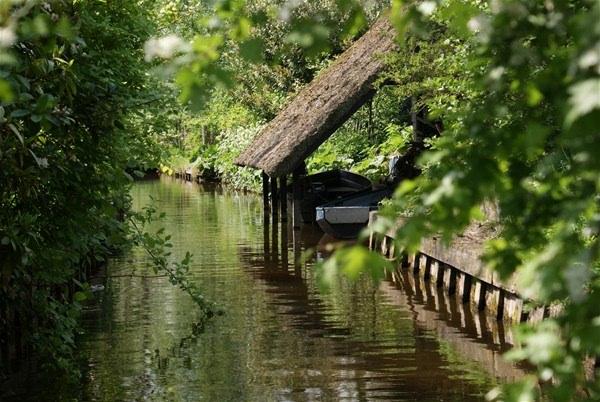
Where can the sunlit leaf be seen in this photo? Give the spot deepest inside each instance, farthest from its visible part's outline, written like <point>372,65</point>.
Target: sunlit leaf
<point>252,50</point>
<point>584,97</point>
<point>6,93</point>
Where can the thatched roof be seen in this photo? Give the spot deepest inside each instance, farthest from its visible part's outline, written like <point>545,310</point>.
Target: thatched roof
<point>322,106</point>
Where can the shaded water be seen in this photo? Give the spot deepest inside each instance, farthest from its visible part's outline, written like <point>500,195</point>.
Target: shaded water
<point>281,337</point>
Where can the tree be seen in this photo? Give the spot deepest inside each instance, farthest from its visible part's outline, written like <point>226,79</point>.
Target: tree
<point>68,136</point>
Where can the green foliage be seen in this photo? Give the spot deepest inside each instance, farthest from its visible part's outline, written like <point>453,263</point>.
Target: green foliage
<point>516,84</point>
<point>525,141</point>
<point>230,144</point>
<point>70,97</point>
<point>376,164</point>
<point>328,156</point>
<point>364,143</point>
<point>370,160</point>
<point>290,36</point>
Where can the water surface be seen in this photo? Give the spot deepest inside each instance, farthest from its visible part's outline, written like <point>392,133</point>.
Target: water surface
<point>281,339</point>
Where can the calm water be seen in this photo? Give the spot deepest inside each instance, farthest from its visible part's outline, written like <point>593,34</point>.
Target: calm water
<point>281,339</point>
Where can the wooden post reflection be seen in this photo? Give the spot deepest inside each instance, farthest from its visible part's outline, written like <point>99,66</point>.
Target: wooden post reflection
<point>297,250</point>
<point>274,240</point>
<point>266,245</point>
<point>266,219</point>
<point>284,244</point>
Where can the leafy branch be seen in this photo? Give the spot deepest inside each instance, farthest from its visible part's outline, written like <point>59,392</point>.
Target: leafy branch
<point>157,247</point>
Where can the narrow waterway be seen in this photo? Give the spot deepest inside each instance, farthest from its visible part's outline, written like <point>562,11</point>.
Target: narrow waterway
<point>282,338</point>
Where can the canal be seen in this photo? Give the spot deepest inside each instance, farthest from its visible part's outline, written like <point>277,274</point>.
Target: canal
<point>282,338</point>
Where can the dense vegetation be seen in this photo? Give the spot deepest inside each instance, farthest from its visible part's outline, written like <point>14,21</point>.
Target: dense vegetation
<point>515,83</point>
<point>64,154</point>
<point>257,71</point>
<point>78,118</point>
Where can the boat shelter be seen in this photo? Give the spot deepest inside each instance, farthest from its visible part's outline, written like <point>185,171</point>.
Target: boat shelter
<point>316,112</point>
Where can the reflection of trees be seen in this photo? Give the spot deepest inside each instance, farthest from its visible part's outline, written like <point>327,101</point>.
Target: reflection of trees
<point>353,327</point>
<point>138,344</point>
<point>280,335</point>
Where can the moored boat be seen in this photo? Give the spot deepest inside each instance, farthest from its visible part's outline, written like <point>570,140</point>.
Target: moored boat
<point>322,188</point>
<point>346,217</point>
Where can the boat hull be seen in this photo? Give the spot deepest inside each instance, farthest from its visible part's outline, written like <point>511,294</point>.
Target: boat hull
<point>345,218</point>
<point>325,187</point>
<point>343,222</point>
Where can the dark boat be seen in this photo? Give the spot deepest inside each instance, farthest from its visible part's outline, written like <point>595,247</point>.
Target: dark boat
<point>346,217</point>
<point>322,188</point>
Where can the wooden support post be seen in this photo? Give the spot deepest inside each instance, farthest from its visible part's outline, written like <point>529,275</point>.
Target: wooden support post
<point>297,199</point>
<point>417,263</point>
<point>266,244</point>
<point>283,199</point>
<point>265,191</point>
<point>274,200</point>
<point>266,220</point>
<point>434,268</point>
<point>425,265</point>
<point>478,291</point>
<point>536,315</point>
<point>439,277</point>
<point>513,308</point>
<point>464,287</point>
<point>494,301</point>
<point>409,261</point>
<point>392,251</point>
<point>405,259</point>
<point>450,279</point>
<point>384,246</point>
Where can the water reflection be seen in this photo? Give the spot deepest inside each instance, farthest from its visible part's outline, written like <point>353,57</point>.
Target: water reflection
<point>368,351</point>
<point>281,338</point>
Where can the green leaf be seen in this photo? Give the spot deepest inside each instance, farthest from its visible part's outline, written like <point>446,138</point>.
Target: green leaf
<point>19,113</point>
<point>585,97</point>
<point>312,36</point>
<point>80,296</point>
<point>63,28</point>
<point>534,96</point>
<point>355,23</point>
<point>24,81</point>
<point>17,133</point>
<point>252,50</point>
<point>459,14</point>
